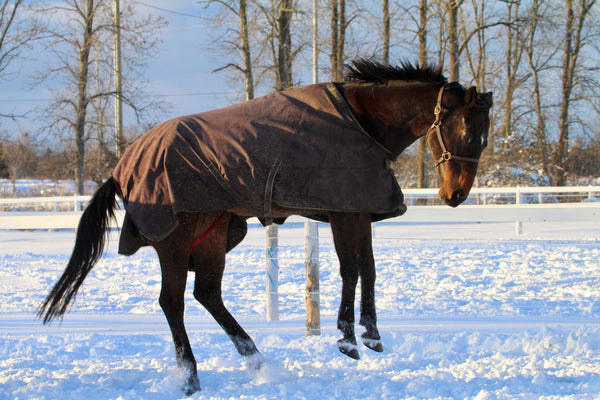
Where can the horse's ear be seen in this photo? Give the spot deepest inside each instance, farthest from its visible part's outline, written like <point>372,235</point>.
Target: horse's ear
<point>471,96</point>
<point>486,99</point>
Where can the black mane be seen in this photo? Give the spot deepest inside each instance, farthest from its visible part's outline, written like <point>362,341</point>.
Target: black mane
<point>369,70</point>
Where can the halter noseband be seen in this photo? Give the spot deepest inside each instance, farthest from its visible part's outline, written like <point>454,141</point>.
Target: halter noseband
<point>446,155</point>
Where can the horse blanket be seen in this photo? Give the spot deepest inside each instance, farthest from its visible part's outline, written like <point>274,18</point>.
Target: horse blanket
<point>301,149</point>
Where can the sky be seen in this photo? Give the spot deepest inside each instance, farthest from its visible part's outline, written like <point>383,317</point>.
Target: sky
<point>180,72</point>
<point>182,67</point>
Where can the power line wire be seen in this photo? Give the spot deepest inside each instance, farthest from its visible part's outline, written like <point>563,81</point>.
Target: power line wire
<point>154,95</point>
<point>166,10</point>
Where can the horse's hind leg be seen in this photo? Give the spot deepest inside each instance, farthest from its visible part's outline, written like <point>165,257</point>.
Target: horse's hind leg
<point>173,253</point>
<point>208,260</point>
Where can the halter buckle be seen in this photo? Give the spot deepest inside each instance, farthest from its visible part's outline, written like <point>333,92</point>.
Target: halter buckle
<point>446,156</point>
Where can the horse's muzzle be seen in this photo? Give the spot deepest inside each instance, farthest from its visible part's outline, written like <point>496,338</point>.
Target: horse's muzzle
<point>458,196</point>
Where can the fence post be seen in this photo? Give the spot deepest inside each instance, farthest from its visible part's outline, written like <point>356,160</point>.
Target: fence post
<point>311,260</point>
<point>272,267</point>
<point>518,200</point>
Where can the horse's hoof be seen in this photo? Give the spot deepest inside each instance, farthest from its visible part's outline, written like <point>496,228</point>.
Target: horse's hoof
<point>373,344</point>
<point>192,385</point>
<point>348,348</point>
<point>255,361</point>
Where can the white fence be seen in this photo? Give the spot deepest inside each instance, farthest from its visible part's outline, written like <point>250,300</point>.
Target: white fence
<point>519,205</point>
<point>509,204</point>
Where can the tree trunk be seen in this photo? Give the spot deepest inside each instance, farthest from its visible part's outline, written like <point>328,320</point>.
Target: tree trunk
<point>540,129</point>
<point>386,32</point>
<point>573,44</point>
<point>452,7</point>
<point>82,97</point>
<point>508,63</point>
<point>335,30</point>
<point>567,79</point>
<point>338,37</point>
<point>284,47</point>
<point>422,34</point>
<point>247,60</point>
<point>341,39</point>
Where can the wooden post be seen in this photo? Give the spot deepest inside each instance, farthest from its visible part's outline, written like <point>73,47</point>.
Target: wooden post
<point>311,228</point>
<point>311,260</point>
<point>518,200</point>
<point>272,274</point>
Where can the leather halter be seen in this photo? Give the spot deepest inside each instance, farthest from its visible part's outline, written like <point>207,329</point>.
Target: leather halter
<point>446,155</point>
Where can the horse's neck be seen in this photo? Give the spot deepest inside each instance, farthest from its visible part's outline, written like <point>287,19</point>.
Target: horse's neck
<point>395,116</point>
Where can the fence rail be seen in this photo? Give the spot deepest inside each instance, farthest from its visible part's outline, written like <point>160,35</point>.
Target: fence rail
<point>517,204</point>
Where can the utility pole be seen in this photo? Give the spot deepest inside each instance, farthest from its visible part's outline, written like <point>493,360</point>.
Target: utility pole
<point>118,84</point>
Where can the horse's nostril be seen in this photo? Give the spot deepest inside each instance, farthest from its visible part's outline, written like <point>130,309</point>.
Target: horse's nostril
<point>458,196</point>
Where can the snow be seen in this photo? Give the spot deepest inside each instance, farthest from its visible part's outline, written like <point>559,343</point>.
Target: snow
<point>466,311</point>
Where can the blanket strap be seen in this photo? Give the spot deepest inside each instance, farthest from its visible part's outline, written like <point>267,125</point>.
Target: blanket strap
<point>207,232</point>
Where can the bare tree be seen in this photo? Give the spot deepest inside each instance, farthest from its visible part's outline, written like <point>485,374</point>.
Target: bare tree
<point>240,41</point>
<point>246,56</point>
<point>11,40</point>
<point>15,34</point>
<point>83,61</point>
<point>4,172</point>
<point>21,156</point>
<point>386,32</point>
<point>577,12</point>
<point>284,45</point>
<point>338,38</point>
<point>274,41</point>
<point>512,61</point>
<point>539,51</point>
<point>453,40</point>
<point>422,36</point>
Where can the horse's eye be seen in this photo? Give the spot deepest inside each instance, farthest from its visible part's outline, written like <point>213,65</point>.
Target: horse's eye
<point>468,138</point>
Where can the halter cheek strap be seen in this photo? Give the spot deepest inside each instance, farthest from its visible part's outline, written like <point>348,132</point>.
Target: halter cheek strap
<point>446,155</point>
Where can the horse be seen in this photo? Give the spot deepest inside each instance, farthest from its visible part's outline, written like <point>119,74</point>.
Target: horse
<point>322,151</point>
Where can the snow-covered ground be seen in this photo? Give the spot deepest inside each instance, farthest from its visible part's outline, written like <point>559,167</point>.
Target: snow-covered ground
<point>467,311</point>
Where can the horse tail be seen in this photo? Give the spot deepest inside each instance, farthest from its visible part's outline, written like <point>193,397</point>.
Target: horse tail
<point>89,246</point>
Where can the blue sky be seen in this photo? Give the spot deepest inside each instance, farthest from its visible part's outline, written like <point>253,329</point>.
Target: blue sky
<point>181,69</point>
<point>183,66</point>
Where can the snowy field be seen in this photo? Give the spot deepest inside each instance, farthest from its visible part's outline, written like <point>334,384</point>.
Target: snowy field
<point>467,311</point>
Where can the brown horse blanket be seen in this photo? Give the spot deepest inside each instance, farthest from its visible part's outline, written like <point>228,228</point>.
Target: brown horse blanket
<point>301,149</point>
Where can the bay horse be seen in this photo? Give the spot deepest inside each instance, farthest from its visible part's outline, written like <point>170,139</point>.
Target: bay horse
<point>322,151</point>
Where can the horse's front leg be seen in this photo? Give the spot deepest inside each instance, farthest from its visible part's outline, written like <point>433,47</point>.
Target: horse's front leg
<point>368,314</point>
<point>352,239</point>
